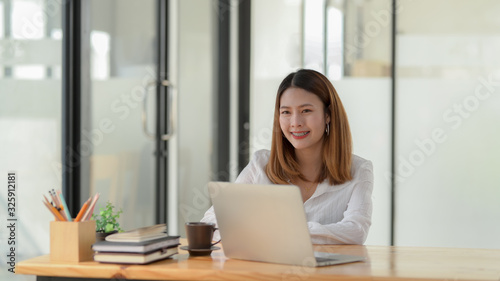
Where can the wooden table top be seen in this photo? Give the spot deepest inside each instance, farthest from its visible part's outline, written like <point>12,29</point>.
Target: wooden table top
<point>382,263</point>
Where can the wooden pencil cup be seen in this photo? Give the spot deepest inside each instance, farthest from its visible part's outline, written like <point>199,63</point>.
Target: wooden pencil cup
<point>72,241</point>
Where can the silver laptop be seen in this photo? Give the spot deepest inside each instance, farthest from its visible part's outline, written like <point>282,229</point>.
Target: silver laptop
<point>267,223</point>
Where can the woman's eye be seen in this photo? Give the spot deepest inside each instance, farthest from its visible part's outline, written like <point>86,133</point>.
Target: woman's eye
<point>306,110</point>
<point>285,112</point>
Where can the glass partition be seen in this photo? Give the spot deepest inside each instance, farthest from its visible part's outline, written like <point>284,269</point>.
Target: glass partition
<point>30,124</point>
<point>447,114</point>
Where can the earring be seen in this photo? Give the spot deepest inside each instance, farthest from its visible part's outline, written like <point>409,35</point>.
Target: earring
<point>327,129</point>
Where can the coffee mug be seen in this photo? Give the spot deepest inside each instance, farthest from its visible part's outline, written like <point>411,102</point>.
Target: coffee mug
<point>199,235</point>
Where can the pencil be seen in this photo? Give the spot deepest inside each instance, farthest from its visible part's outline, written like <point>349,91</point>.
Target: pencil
<point>90,209</point>
<point>82,210</point>
<point>58,204</point>
<point>54,211</point>
<point>56,198</point>
<point>65,206</point>
<point>53,197</point>
<point>46,200</point>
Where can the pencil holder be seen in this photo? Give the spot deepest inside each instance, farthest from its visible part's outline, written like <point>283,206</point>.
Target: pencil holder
<point>72,241</point>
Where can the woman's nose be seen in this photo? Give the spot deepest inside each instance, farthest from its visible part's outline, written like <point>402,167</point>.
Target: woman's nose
<point>296,120</point>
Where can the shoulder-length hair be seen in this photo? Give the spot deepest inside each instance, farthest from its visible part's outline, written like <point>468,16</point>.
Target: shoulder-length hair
<point>337,145</point>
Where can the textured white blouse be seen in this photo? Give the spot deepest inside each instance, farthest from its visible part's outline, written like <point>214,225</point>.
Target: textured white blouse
<point>336,214</point>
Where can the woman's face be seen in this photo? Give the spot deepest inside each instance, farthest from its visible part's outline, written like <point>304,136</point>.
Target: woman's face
<point>302,118</point>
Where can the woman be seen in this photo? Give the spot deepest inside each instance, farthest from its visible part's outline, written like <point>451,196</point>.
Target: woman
<point>312,149</point>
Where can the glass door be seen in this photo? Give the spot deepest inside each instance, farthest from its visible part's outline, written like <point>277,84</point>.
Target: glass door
<point>121,124</point>
<point>136,86</point>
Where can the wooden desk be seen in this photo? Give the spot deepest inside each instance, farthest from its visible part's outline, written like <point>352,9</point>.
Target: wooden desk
<point>383,263</point>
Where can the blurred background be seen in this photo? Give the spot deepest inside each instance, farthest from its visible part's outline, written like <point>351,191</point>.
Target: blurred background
<point>422,95</point>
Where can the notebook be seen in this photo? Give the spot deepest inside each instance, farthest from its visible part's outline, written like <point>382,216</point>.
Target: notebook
<point>135,258</point>
<point>136,247</point>
<point>267,223</point>
<point>142,234</point>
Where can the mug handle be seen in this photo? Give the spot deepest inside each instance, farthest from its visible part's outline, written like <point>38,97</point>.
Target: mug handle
<point>215,228</point>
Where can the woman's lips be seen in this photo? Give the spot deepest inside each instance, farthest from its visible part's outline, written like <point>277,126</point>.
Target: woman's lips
<point>300,135</point>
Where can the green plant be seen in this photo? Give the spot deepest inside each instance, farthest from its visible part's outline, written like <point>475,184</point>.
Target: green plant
<point>106,220</point>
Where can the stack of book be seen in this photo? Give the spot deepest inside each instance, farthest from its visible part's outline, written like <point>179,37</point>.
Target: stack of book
<point>138,246</point>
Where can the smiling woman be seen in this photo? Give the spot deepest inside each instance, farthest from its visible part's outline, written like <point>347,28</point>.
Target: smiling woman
<point>312,95</point>
<point>303,119</point>
<point>312,149</point>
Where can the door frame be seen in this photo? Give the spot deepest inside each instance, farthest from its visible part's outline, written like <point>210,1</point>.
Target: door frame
<point>75,176</point>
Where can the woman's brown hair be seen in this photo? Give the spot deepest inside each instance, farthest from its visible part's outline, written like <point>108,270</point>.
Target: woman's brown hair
<point>337,145</point>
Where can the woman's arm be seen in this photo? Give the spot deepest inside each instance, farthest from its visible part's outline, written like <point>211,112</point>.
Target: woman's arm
<point>353,228</point>
<point>248,175</point>
<point>356,204</point>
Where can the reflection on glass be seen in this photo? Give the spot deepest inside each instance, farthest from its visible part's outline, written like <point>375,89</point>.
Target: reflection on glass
<point>30,117</point>
<point>33,72</point>
<point>334,51</point>
<point>314,35</point>
<point>28,19</point>
<point>100,56</point>
<point>121,66</point>
<point>345,38</point>
<point>367,38</point>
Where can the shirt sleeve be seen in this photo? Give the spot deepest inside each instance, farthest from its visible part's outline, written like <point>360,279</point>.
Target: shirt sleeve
<point>209,217</point>
<point>353,228</point>
<point>248,175</point>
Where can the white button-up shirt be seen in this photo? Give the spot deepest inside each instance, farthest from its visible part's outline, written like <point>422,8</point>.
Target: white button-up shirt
<point>336,214</point>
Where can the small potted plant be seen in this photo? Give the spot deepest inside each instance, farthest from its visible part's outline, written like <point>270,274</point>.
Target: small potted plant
<point>106,221</point>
